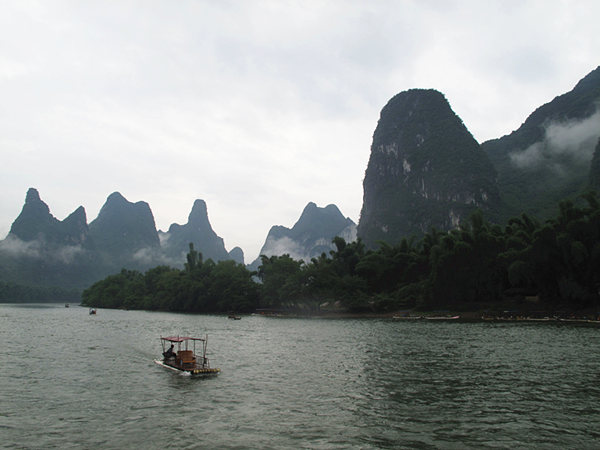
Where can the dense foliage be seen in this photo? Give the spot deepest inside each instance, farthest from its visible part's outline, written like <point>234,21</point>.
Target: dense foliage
<point>203,286</point>
<point>557,263</point>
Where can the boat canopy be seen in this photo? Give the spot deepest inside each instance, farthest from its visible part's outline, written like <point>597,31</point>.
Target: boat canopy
<point>181,338</point>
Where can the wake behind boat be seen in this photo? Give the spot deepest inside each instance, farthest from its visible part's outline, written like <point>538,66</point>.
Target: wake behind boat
<point>185,359</point>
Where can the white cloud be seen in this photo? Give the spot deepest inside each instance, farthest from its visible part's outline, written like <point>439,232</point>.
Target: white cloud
<point>37,249</point>
<point>575,139</point>
<point>14,246</point>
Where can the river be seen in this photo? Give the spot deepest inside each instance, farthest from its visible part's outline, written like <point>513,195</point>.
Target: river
<point>73,380</point>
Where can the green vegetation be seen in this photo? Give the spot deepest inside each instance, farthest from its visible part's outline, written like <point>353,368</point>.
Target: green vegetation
<point>556,262</point>
<point>536,184</point>
<point>203,286</point>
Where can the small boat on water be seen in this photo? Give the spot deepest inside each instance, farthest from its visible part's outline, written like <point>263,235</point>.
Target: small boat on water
<point>234,316</point>
<point>183,358</point>
<point>92,311</point>
<point>66,305</point>
<point>442,317</point>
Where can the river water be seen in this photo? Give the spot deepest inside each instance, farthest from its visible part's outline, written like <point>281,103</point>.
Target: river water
<point>72,380</point>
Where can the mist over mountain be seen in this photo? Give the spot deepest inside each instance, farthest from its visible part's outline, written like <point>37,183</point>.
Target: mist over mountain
<point>595,169</point>
<point>36,223</point>
<point>40,250</point>
<point>310,236</point>
<point>548,157</point>
<point>125,233</point>
<point>425,170</point>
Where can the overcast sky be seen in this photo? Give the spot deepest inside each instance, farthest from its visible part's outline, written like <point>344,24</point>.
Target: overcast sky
<point>256,107</point>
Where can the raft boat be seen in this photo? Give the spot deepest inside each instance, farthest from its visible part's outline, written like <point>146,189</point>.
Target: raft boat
<point>184,358</point>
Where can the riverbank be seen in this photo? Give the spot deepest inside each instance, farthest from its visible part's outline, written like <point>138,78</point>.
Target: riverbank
<point>483,312</point>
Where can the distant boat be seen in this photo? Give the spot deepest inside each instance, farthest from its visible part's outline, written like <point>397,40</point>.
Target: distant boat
<point>407,317</point>
<point>442,317</point>
<point>185,360</point>
<point>66,305</point>
<point>233,316</point>
<point>92,311</point>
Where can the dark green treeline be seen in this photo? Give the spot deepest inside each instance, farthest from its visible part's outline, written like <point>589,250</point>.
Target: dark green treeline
<point>558,261</point>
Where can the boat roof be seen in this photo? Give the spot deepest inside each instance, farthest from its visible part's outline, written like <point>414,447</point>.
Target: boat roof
<point>181,338</point>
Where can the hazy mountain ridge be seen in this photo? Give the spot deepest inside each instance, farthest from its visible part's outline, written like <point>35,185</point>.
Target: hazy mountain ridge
<point>197,230</point>
<point>310,236</point>
<point>41,250</point>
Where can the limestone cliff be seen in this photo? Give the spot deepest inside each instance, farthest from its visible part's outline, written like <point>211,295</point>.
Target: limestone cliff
<point>425,170</point>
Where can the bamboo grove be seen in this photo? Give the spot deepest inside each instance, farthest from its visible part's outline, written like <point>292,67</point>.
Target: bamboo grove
<point>556,262</point>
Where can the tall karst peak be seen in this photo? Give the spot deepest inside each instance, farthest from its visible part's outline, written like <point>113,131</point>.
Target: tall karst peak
<point>116,197</point>
<point>37,223</point>
<point>35,220</point>
<point>123,228</point>
<point>327,221</point>
<point>425,170</point>
<point>199,213</point>
<point>32,196</point>
<point>196,231</point>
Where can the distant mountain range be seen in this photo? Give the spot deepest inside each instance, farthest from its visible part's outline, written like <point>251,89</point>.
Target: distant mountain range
<point>41,250</point>
<point>425,170</point>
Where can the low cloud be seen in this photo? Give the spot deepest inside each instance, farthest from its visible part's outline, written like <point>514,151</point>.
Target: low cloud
<point>573,141</point>
<point>15,247</point>
<point>67,253</point>
<point>153,256</point>
<point>38,249</point>
<point>282,246</point>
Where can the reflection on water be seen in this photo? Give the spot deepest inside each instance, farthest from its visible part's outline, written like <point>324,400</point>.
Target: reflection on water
<point>68,379</point>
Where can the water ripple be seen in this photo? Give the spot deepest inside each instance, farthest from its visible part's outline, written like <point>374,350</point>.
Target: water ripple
<point>70,380</point>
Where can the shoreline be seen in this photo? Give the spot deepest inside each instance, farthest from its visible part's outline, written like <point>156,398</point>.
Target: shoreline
<point>459,316</point>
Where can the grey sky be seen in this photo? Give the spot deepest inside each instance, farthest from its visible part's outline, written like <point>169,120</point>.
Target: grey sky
<point>257,107</point>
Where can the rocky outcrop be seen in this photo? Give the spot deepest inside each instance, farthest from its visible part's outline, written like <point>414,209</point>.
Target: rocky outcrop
<point>425,170</point>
